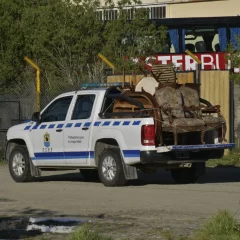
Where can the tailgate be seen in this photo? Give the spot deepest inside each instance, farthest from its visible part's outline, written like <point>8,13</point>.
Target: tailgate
<point>195,148</point>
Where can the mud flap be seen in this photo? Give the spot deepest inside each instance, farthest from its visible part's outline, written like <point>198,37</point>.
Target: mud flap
<point>130,172</point>
<point>35,171</point>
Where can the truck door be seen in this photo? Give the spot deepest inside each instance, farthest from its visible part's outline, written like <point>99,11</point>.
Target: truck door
<point>78,130</point>
<point>47,137</point>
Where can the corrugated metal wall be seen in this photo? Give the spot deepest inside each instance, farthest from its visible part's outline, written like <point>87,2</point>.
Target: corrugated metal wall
<point>215,88</point>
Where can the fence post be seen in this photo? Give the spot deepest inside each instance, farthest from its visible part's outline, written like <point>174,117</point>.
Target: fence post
<point>198,73</point>
<point>232,115</point>
<point>38,83</point>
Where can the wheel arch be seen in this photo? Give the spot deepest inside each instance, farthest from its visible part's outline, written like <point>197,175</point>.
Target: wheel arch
<point>101,145</point>
<point>11,144</point>
<point>18,138</point>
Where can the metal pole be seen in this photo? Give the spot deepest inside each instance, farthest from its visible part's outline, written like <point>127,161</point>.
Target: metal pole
<point>38,82</point>
<point>38,89</point>
<point>19,112</point>
<point>231,111</point>
<point>111,65</point>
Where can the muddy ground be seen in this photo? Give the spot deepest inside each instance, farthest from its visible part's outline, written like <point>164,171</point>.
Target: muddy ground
<point>141,210</point>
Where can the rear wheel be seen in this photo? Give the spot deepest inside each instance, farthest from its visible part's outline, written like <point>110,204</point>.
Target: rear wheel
<point>90,175</point>
<point>110,168</point>
<point>19,164</point>
<point>184,175</point>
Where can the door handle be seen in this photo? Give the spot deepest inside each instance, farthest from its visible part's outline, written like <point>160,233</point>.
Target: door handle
<point>85,128</point>
<point>59,130</point>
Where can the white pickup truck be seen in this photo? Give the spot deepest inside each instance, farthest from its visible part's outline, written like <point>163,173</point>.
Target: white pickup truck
<point>80,130</point>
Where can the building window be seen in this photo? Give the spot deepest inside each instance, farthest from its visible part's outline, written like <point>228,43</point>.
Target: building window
<point>158,12</point>
<point>155,12</point>
<point>109,15</point>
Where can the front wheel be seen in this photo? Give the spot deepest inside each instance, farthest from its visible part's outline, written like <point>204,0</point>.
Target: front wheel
<point>110,168</point>
<point>19,164</point>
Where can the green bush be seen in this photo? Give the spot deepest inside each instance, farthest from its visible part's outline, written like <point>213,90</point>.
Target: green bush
<point>223,226</point>
<point>84,233</point>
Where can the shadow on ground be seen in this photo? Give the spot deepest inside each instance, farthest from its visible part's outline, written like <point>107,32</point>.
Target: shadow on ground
<point>219,174</point>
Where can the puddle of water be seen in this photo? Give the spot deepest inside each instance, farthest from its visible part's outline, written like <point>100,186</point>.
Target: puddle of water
<point>54,225</point>
<point>23,226</point>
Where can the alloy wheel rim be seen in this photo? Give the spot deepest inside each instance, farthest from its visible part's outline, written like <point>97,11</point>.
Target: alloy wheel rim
<point>109,168</point>
<point>18,164</point>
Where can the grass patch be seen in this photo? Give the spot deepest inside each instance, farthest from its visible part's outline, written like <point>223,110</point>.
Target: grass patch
<point>232,159</point>
<point>222,226</point>
<point>84,233</point>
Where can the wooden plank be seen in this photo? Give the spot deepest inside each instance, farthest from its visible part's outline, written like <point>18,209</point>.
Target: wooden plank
<point>185,77</point>
<point>119,78</point>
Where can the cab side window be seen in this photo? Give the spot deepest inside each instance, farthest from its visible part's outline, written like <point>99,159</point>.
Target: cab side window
<point>83,107</point>
<point>57,111</point>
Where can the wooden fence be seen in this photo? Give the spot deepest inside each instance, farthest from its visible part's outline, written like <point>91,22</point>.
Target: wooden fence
<point>182,77</point>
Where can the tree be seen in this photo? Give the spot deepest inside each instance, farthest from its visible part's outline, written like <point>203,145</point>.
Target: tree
<point>127,40</point>
<point>11,44</point>
<point>68,38</point>
<point>233,58</point>
<point>64,38</point>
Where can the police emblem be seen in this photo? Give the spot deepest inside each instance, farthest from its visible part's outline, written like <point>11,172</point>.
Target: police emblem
<point>46,140</point>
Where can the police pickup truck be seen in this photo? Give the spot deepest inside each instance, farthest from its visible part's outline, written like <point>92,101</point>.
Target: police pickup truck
<point>84,130</point>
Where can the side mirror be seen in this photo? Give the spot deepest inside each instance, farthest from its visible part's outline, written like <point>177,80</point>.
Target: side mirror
<point>36,117</point>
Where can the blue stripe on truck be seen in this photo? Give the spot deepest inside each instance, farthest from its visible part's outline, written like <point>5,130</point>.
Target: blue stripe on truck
<point>131,153</point>
<point>77,155</point>
<point>61,155</point>
<point>85,124</point>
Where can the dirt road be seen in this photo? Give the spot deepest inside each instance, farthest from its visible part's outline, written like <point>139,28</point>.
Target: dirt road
<point>142,209</point>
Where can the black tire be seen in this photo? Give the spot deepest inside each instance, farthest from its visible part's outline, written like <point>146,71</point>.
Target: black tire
<point>25,176</point>
<point>184,175</point>
<point>118,179</point>
<point>90,175</point>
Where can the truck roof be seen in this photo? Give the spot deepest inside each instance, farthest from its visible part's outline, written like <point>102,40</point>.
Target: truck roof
<point>94,87</point>
<point>93,90</point>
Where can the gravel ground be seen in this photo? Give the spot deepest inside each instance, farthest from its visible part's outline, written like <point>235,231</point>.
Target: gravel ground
<point>142,210</point>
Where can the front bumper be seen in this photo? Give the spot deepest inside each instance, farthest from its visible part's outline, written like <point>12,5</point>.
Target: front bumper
<point>184,153</point>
